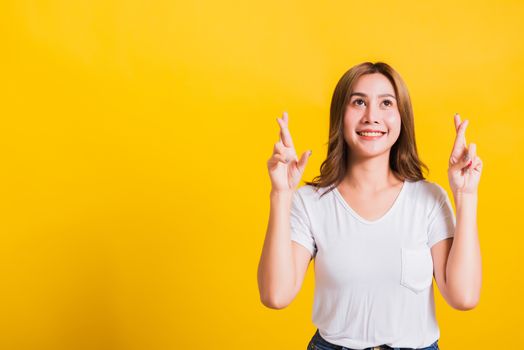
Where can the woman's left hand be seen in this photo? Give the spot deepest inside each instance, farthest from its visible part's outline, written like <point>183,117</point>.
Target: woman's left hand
<point>465,166</point>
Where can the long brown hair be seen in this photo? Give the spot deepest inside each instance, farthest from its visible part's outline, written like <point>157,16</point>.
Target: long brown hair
<point>403,159</point>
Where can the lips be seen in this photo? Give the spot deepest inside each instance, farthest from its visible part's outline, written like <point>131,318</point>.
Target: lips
<point>369,129</point>
<point>369,132</point>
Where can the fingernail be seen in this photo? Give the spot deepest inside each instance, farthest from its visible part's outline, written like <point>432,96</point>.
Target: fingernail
<point>310,152</point>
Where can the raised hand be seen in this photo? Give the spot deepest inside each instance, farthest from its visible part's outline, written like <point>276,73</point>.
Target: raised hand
<point>285,169</point>
<point>465,166</point>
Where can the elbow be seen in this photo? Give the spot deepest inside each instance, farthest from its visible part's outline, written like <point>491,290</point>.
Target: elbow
<point>272,300</point>
<point>271,297</point>
<point>466,304</point>
<point>272,303</point>
<point>462,298</point>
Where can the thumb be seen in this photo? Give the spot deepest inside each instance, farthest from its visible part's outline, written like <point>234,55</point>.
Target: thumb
<point>303,160</point>
<point>464,162</point>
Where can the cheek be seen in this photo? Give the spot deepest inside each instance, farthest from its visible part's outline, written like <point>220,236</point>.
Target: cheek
<point>351,115</point>
<point>393,121</point>
<point>350,122</point>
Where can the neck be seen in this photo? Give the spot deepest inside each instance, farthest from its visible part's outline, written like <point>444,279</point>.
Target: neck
<point>370,175</point>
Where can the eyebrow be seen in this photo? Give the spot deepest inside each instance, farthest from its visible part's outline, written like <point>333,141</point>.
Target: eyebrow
<point>363,94</point>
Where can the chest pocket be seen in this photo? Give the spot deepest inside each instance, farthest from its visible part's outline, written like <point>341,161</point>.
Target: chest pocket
<point>416,268</point>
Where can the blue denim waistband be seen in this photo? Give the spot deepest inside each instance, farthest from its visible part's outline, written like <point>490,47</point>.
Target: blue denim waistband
<point>318,340</point>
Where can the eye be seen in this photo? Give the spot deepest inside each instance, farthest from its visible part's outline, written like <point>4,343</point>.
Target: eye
<point>389,102</point>
<point>357,100</point>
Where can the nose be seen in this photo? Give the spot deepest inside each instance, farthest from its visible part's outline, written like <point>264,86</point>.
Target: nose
<point>371,114</point>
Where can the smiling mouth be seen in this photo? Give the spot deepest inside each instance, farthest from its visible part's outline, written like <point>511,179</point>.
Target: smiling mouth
<point>370,134</point>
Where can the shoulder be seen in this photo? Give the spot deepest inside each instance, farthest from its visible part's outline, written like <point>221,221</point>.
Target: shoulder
<point>428,189</point>
<point>430,195</point>
<point>311,193</point>
<point>312,203</point>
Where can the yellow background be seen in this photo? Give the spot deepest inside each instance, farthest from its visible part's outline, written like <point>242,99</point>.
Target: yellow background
<point>134,138</point>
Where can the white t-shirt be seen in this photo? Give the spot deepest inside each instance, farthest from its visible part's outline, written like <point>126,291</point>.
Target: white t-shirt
<point>373,279</point>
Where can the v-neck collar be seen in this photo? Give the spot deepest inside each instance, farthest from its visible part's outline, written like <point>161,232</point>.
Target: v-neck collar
<point>370,222</point>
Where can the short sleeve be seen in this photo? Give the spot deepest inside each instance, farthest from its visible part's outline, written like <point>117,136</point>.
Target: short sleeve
<point>300,225</point>
<point>441,224</point>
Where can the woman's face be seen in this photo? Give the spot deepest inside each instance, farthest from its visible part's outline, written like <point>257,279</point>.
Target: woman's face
<point>372,106</point>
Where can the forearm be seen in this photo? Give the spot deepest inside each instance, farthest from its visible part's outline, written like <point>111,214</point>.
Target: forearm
<point>463,269</point>
<point>276,270</point>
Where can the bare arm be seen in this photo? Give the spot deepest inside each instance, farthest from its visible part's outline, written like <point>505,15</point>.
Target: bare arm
<point>464,270</point>
<point>283,286</point>
<point>276,270</point>
<point>458,260</point>
<point>278,276</point>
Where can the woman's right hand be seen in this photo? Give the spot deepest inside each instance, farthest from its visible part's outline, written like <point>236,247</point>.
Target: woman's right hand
<point>285,170</point>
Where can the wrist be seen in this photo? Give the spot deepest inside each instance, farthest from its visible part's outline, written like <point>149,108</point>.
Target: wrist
<point>281,193</point>
<point>460,195</point>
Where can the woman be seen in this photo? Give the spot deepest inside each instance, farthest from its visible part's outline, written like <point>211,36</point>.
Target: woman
<point>377,230</point>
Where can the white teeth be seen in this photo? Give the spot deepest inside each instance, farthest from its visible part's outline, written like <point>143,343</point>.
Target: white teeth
<point>370,133</point>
